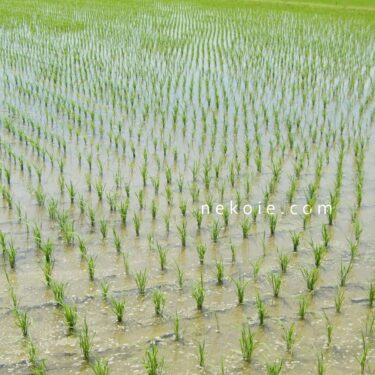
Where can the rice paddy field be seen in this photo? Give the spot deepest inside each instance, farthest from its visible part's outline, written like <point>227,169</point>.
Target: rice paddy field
<point>142,144</point>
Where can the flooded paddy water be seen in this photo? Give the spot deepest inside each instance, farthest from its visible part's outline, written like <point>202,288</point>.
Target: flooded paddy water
<point>128,118</point>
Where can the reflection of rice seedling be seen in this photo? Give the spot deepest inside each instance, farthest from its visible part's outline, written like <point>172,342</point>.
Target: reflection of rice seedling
<point>248,343</point>
<point>141,281</point>
<point>152,363</point>
<point>118,307</point>
<point>158,298</point>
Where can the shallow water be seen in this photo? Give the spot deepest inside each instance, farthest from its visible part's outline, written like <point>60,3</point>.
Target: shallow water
<point>56,78</point>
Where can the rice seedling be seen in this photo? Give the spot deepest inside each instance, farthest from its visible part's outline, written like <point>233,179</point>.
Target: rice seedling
<point>344,273</point>
<point>247,343</point>
<point>311,277</point>
<point>326,235</point>
<point>100,367</point>
<point>71,190</point>
<point>302,307</point>
<point>11,254</point>
<point>233,251</point>
<point>261,308</point>
<point>273,222</point>
<point>91,267</point>
<point>141,281</point>
<point>198,217</point>
<point>103,228</point>
<point>47,271</point>
<point>320,364</point>
<point>124,206</point>
<point>177,328</point>
<point>284,261</point>
<point>371,295</point>
<point>99,187</point>
<point>202,354</point>
<point>245,225</point>
<point>85,341</point>
<point>275,280</point>
<point>199,294</point>
<point>289,337</point>
<point>162,252</point>
<point>182,231</point>
<point>363,357</point>
<point>70,315</point>
<point>118,307</point>
<point>116,240</point>
<point>240,286</point>
<point>104,286</point>
<point>339,299</point>
<point>47,250</point>
<point>274,368</point>
<point>319,251</point>
<point>158,298</point>
<point>137,223</point>
<point>219,272</point>
<point>180,276</point>
<point>201,251</point>
<point>215,230</point>
<point>153,364</point>
<point>37,365</point>
<point>58,290</point>
<point>329,329</point>
<point>256,268</point>
<point>23,322</point>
